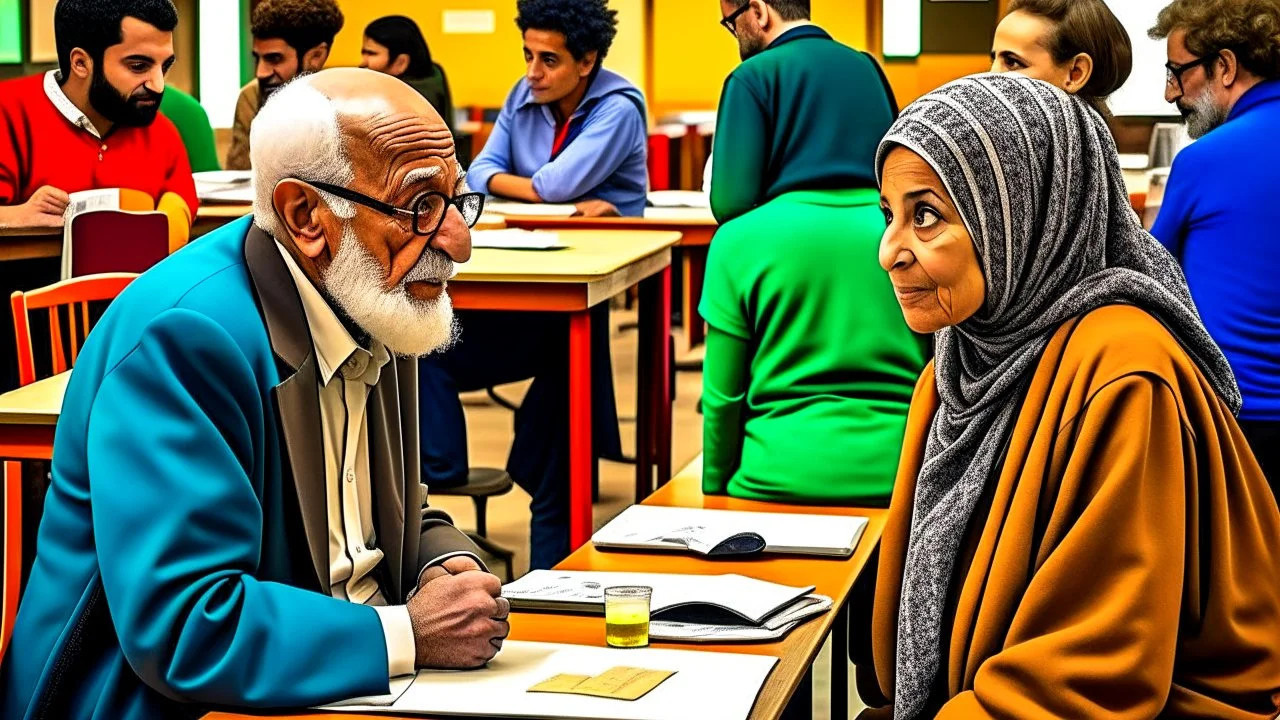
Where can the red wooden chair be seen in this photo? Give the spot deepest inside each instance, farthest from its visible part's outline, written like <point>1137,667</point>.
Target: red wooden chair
<point>74,295</point>
<point>115,241</point>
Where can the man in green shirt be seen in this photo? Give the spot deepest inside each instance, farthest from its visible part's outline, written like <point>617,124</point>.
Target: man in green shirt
<point>193,125</point>
<point>788,112</point>
<point>810,366</point>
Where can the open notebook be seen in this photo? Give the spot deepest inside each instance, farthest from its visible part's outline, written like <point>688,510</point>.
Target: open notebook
<point>708,686</point>
<point>730,532</point>
<point>686,608</point>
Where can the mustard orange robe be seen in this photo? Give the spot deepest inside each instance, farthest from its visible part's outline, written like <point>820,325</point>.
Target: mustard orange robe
<point>1124,562</point>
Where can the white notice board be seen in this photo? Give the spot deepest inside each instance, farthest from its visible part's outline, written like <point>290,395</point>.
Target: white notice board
<point>1143,94</point>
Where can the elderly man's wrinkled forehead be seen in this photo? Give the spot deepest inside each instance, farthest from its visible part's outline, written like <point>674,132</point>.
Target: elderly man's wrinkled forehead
<point>391,146</point>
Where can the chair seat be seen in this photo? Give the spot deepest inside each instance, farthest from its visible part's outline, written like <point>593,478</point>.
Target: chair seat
<point>481,482</point>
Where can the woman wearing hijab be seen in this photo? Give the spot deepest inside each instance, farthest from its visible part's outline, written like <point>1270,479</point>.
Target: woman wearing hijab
<point>1077,45</point>
<point>1078,528</point>
<point>809,365</point>
<point>394,45</point>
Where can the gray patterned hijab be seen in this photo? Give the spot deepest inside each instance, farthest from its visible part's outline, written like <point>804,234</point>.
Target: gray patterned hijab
<point>1035,176</point>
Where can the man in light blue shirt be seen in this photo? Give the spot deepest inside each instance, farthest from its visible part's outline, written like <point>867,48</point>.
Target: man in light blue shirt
<point>570,131</point>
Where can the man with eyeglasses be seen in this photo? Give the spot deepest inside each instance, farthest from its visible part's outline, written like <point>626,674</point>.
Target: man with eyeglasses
<point>236,518</point>
<point>1224,77</point>
<point>793,115</point>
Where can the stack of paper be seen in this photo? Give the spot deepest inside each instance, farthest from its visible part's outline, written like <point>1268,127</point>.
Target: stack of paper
<point>227,186</point>
<point>686,608</point>
<point>651,527</point>
<point>708,686</point>
<point>679,199</point>
<point>502,207</point>
<point>515,239</point>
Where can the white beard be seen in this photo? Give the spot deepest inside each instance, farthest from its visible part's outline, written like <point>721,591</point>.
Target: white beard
<point>407,326</point>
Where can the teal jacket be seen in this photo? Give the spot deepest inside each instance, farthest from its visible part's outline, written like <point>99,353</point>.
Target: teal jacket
<point>182,559</point>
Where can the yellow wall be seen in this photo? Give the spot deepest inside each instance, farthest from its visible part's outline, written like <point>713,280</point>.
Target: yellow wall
<point>693,54</point>
<point>482,68</point>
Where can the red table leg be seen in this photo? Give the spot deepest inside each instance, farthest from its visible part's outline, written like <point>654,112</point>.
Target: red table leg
<point>645,388</point>
<point>663,362</point>
<point>580,460</point>
<point>695,268</point>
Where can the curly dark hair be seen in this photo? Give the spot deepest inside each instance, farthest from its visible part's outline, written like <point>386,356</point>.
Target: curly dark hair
<point>586,24</point>
<point>302,24</point>
<point>94,25</point>
<point>1248,28</point>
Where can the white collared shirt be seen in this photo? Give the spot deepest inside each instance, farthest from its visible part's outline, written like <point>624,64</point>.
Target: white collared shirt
<point>68,109</point>
<point>347,373</point>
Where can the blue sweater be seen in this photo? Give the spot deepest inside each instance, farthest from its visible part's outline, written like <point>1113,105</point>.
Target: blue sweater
<point>1215,221</point>
<point>604,157</point>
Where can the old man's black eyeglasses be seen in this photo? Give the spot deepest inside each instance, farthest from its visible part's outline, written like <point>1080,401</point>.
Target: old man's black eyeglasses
<point>428,209</point>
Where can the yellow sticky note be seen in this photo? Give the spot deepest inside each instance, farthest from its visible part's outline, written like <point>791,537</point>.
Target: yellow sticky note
<point>560,684</point>
<point>619,683</point>
<point>624,683</point>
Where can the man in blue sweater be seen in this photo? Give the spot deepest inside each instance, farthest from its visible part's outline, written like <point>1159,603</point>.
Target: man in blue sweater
<point>570,132</point>
<point>1224,65</point>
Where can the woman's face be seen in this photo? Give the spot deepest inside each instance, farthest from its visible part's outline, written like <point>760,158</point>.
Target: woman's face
<point>1021,45</point>
<point>375,56</point>
<point>926,249</point>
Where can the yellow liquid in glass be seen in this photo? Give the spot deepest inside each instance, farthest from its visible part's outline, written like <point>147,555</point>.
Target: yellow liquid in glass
<point>627,627</point>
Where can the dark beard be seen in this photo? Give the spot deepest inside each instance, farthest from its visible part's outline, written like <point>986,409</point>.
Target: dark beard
<point>121,110</point>
<point>267,88</point>
<point>749,47</point>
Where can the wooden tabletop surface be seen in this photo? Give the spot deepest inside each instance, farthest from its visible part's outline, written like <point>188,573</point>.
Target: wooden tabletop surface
<point>796,652</point>
<point>36,404</point>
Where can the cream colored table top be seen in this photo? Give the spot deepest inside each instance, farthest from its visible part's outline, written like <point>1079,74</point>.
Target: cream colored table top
<point>39,403</point>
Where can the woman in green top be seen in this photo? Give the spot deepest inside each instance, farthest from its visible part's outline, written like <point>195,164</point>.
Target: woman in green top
<point>810,366</point>
<point>394,45</point>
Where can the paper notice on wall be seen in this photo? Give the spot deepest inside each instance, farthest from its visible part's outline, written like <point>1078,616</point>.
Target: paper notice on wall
<point>469,22</point>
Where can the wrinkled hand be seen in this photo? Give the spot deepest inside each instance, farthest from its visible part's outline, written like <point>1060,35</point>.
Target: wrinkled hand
<point>595,208</point>
<point>459,621</point>
<point>455,565</point>
<point>43,209</point>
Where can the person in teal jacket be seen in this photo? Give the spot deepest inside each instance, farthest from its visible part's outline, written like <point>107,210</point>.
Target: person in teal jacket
<point>185,558</point>
<point>192,122</point>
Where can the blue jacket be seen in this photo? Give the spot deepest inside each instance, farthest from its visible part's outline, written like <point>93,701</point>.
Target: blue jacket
<point>604,158</point>
<point>182,557</point>
<point>1214,220</point>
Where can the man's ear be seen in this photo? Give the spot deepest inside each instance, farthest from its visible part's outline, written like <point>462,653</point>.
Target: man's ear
<point>761,10</point>
<point>296,204</point>
<point>81,64</point>
<point>1079,73</point>
<point>1230,67</point>
<point>315,58</point>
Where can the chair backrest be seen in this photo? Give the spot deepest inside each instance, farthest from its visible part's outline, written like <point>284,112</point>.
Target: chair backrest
<point>74,295</point>
<point>114,241</point>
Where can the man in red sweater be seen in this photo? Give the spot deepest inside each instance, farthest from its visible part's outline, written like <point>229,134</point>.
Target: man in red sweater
<point>94,122</point>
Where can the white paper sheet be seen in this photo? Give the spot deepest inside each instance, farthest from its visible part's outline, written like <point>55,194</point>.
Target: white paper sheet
<point>225,186</point>
<point>754,600</point>
<point>651,527</point>
<point>708,686</point>
<point>515,239</point>
<point>679,199</point>
<point>775,628</point>
<point>500,207</point>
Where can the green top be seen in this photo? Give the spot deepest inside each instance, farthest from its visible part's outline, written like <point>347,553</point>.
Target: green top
<point>193,126</point>
<point>809,366</point>
<point>435,88</point>
<point>806,113</point>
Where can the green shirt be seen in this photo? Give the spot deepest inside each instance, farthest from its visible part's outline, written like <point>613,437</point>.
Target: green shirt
<point>806,113</point>
<point>810,366</point>
<point>193,126</point>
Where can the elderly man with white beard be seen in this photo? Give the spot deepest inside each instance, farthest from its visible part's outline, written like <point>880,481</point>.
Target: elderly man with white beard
<point>235,518</point>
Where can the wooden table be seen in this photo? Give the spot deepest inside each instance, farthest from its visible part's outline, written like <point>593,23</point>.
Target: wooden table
<point>596,266</point>
<point>795,652</point>
<point>28,416</point>
<point>30,243</point>
<point>696,226</point>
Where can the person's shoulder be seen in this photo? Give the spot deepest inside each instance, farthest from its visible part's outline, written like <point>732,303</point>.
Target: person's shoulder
<point>1116,341</point>
<point>19,92</point>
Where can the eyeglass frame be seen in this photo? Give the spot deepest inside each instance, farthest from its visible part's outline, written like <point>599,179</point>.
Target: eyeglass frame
<point>1175,72</point>
<point>730,21</point>
<point>393,211</point>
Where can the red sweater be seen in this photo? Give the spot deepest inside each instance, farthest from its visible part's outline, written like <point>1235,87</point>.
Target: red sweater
<point>39,146</point>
